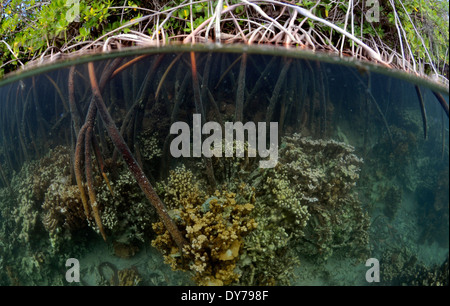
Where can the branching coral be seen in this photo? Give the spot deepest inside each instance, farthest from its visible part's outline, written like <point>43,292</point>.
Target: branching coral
<point>324,173</point>
<point>307,202</point>
<point>233,170</point>
<point>38,219</point>
<point>126,214</point>
<point>267,258</point>
<point>41,182</point>
<point>45,194</point>
<point>149,145</point>
<point>213,225</point>
<point>291,213</point>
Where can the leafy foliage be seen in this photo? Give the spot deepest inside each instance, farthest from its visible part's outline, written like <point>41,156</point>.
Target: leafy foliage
<point>32,27</point>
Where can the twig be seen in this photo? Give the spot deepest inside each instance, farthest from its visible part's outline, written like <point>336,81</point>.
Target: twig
<point>10,50</point>
<point>308,14</point>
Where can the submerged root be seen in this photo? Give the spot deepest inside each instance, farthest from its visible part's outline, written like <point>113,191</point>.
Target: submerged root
<point>131,162</point>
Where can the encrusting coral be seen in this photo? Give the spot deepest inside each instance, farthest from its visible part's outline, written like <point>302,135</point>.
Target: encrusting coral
<point>214,226</point>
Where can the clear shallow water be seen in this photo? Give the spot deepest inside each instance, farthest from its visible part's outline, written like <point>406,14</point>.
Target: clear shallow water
<point>355,177</point>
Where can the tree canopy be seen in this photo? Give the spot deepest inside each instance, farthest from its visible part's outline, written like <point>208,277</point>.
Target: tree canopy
<point>410,35</point>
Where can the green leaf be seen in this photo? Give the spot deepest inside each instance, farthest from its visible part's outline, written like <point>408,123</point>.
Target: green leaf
<point>84,32</point>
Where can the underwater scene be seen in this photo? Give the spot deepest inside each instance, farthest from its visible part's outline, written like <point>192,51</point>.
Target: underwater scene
<point>215,166</point>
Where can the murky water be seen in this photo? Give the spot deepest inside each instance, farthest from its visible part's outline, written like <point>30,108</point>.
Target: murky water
<point>335,163</point>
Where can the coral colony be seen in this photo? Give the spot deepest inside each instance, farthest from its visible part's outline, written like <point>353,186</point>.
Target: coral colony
<point>215,140</point>
<point>243,207</point>
<point>241,233</point>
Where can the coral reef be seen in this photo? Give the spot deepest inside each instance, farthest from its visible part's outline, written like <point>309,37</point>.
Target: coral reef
<point>440,211</point>
<point>290,213</point>
<point>129,277</point>
<point>433,212</point>
<point>430,276</point>
<point>408,165</point>
<point>322,175</point>
<point>45,193</point>
<point>306,203</point>
<point>214,226</point>
<point>233,170</point>
<point>45,181</point>
<point>62,210</point>
<point>40,216</point>
<point>391,162</point>
<point>149,145</point>
<point>401,267</point>
<point>267,258</point>
<point>44,216</point>
<point>126,215</point>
